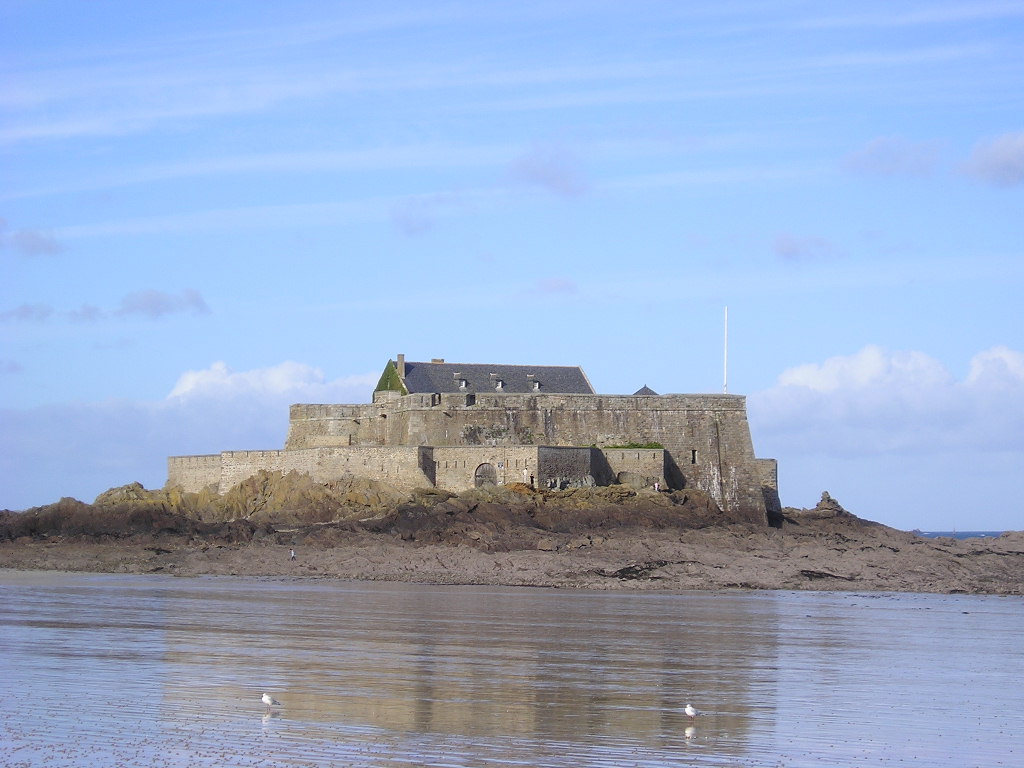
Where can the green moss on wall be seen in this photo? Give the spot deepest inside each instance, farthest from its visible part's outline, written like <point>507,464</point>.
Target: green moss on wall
<point>390,381</point>
<point>634,446</point>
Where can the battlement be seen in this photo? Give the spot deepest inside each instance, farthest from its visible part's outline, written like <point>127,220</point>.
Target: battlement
<point>496,424</point>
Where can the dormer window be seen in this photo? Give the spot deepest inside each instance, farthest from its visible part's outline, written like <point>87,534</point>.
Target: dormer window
<point>499,385</point>
<point>462,383</point>
<point>536,385</point>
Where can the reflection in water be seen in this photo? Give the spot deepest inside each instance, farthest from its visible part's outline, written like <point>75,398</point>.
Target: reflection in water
<point>385,675</point>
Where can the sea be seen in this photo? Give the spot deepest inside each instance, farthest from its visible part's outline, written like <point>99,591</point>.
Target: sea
<point>131,670</point>
<point>959,534</point>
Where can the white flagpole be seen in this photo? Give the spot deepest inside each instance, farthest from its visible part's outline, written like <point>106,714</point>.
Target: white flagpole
<point>725,362</point>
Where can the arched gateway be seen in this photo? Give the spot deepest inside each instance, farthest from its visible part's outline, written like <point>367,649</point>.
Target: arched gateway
<point>485,474</point>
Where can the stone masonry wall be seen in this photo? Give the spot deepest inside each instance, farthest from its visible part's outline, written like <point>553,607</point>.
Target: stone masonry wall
<point>563,467</point>
<point>625,464</point>
<point>398,465</point>
<point>707,437</point>
<point>428,439</point>
<point>456,466</point>
<point>193,473</point>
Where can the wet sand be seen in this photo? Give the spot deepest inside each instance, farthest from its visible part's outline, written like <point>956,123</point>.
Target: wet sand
<point>735,556</point>
<point>610,538</point>
<point>118,670</point>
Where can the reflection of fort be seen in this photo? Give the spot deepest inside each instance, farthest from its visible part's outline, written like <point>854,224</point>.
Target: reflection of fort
<point>485,663</point>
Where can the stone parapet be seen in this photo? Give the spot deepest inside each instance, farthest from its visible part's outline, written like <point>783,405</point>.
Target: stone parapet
<point>457,440</point>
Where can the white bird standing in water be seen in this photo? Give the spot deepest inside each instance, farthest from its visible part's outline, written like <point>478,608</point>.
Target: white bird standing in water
<point>270,700</point>
<point>690,711</point>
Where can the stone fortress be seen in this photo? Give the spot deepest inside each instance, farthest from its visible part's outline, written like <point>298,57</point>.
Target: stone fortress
<point>457,426</point>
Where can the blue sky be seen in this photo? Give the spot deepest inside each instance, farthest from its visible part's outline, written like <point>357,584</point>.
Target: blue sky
<point>211,210</point>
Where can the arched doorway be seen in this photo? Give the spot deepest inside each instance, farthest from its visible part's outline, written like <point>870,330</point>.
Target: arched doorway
<point>485,474</point>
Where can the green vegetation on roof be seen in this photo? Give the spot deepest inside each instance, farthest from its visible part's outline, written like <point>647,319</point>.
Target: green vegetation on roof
<point>634,446</point>
<point>390,380</point>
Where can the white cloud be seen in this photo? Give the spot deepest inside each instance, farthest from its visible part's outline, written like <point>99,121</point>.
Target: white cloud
<point>996,368</point>
<point>81,449</point>
<point>872,367</point>
<point>896,437</point>
<point>292,379</point>
<point>880,401</point>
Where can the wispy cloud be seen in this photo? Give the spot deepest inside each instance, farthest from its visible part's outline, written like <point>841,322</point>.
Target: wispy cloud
<point>556,286</point>
<point>895,156</point>
<point>151,303</point>
<point>790,247</point>
<point>154,304</point>
<point>29,242</point>
<point>373,159</point>
<point>552,167</point>
<point>27,313</point>
<point>998,161</point>
<point>877,59</point>
<point>416,215</point>
<point>932,14</point>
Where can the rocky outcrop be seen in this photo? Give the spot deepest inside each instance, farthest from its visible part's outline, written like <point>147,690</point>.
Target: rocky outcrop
<point>599,538</point>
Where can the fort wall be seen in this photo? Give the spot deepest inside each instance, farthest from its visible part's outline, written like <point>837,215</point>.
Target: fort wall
<point>397,465</point>
<point>707,437</point>
<point>193,473</point>
<point>456,441</point>
<point>645,466</point>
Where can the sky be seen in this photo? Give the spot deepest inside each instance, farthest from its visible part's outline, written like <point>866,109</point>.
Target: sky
<point>211,210</point>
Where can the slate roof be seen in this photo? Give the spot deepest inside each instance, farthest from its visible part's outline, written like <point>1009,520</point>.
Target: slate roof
<point>441,377</point>
<point>645,390</point>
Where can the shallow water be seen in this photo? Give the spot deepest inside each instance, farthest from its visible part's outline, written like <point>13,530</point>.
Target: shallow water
<point>155,671</point>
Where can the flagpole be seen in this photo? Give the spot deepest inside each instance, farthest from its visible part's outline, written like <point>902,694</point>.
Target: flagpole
<point>725,356</point>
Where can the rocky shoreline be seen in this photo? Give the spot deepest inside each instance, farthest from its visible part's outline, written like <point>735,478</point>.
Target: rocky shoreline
<point>603,539</point>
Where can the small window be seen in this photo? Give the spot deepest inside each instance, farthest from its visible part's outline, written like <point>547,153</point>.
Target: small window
<point>499,385</point>
<point>536,386</point>
<point>462,383</point>
<point>693,456</point>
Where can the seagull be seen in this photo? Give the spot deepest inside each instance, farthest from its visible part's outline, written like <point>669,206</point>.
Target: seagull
<point>689,710</point>
<point>270,700</point>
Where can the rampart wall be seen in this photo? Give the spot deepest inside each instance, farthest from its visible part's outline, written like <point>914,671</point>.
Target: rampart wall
<point>456,466</point>
<point>644,465</point>
<point>398,465</point>
<point>707,437</point>
<point>193,473</point>
<point>456,441</point>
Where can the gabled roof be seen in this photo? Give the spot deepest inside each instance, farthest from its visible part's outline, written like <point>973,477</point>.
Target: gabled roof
<point>446,377</point>
<point>645,390</point>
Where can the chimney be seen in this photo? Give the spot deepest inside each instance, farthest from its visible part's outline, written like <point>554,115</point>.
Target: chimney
<point>401,366</point>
